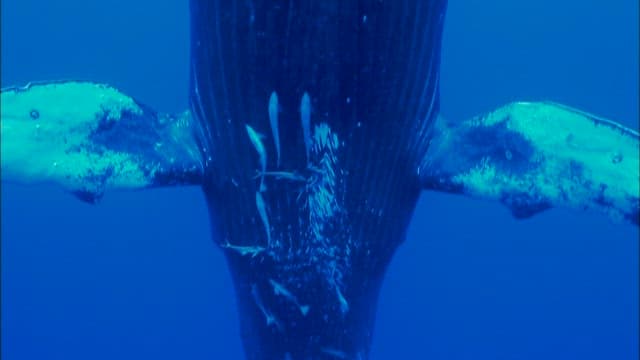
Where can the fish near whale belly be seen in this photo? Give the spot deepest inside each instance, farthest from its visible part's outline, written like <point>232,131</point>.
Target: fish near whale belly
<point>357,93</point>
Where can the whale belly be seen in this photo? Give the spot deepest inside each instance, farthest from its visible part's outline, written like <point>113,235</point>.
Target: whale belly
<point>315,115</point>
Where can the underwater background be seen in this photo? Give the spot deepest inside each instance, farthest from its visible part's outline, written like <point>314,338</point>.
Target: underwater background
<point>139,277</point>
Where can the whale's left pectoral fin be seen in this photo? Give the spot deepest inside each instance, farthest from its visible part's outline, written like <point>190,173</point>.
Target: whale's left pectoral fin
<point>533,156</point>
<point>90,137</point>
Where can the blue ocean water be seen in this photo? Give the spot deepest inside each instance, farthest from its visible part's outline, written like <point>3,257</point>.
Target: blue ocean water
<point>138,276</point>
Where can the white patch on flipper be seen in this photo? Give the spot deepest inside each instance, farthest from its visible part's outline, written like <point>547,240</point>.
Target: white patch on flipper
<point>578,160</point>
<point>46,130</point>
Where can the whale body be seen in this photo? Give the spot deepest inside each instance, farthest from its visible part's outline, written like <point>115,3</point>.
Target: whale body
<point>345,73</point>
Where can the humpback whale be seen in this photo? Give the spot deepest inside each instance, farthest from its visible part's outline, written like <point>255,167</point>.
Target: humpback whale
<point>310,218</point>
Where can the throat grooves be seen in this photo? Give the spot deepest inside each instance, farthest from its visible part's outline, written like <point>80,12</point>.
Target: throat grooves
<point>315,115</point>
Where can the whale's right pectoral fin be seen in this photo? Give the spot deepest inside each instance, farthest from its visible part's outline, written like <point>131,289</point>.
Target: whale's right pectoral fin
<point>533,156</point>
<point>90,137</point>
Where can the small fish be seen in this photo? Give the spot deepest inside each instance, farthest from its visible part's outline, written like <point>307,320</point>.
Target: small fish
<point>262,153</point>
<point>273,120</point>
<point>284,175</point>
<point>263,216</point>
<point>305,117</point>
<point>244,250</point>
<point>344,305</point>
<point>271,319</point>
<point>278,289</point>
<point>338,354</point>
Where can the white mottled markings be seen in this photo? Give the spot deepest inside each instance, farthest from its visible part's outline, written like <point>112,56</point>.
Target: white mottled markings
<point>542,155</point>
<point>322,198</point>
<point>324,203</point>
<point>70,133</point>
